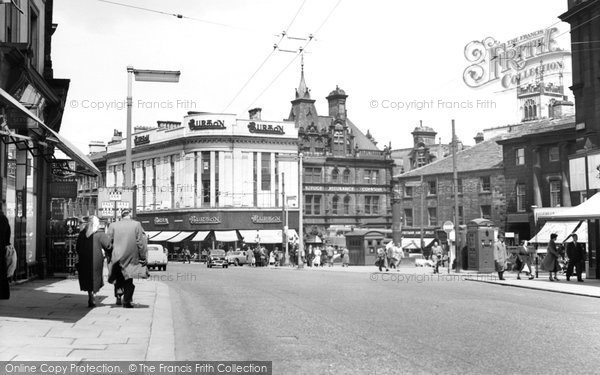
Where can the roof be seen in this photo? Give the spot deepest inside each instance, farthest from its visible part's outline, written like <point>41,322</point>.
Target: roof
<point>537,127</point>
<point>482,156</point>
<point>360,138</point>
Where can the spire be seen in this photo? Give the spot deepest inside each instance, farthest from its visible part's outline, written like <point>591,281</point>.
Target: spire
<point>302,91</point>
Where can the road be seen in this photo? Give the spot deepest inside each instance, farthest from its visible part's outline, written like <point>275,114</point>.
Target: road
<point>320,322</point>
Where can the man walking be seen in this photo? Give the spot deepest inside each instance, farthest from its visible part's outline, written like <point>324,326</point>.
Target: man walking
<point>576,254</point>
<point>128,257</point>
<point>500,256</point>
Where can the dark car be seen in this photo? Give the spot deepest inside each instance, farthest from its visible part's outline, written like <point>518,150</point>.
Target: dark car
<point>217,258</point>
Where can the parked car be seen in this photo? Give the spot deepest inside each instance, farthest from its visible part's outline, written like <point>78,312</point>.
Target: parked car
<point>236,257</point>
<point>217,258</point>
<point>157,257</point>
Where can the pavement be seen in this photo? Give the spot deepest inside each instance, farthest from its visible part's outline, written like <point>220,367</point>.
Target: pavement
<point>49,320</point>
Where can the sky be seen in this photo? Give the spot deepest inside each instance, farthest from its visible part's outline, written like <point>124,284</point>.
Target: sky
<point>400,62</point>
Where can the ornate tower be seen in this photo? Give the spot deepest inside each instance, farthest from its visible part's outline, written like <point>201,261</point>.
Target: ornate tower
<point>303,112</point>
<point>538,99</point>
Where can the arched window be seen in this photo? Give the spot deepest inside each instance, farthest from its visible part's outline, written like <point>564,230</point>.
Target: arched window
<point>347,205</point>
<point>529,110</point>
<point>335,174</point>
<point>334,205</point>
<point>346,176</point>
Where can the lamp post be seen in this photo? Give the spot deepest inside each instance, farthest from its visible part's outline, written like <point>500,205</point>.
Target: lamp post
<point>300,211</point>
<point>145,76</point>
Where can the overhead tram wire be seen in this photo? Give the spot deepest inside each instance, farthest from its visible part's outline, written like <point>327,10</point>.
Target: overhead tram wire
<point>298,53</point>
<point>275,47</point>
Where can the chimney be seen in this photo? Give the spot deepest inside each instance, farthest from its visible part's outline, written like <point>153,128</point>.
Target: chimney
<point>117,136</point>
<point>97,146</point>
<point>254,113</point>
<point>478,138</point>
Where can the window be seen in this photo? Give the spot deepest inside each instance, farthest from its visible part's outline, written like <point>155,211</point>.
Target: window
<point>347,205</point>
<point>432,213</point>
<point>265,171</point>
<point>521,197</point>
<point>312,205</point>
<point>554,154</point>
<point>520,156</point>
<point>529,110</point>
<point>34,37</point>
<point>432,188</point>
<point>334,205</point>
<point>371,204</point>
<point>555,189</point>
<point>312,174</point>
<point>346,176</point>
<point>459,186</point>
<point>408,191</point>
<point>12,22</point>
<point>371,176</point>
<point>205,177</point>
<point>486,185</point>
<point>335,174</point>
<point>486,211</point>
<point>408,217</point>
<point>461,215</point>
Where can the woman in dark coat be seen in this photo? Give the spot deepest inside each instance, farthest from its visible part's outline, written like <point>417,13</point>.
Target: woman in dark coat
<point>4,241</point>
<point>90,244</point>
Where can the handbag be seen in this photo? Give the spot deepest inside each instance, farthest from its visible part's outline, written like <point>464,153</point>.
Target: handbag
<point>11,260</point>
<point>526,269</point>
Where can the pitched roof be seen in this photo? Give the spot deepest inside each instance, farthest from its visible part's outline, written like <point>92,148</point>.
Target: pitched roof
<point>360,138</point>
<point>538,127</point>
<point>482,156</point>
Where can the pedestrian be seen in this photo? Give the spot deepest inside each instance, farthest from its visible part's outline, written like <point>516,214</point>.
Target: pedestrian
<point>550,262</point>
<point>500,256</point>
<point>330,254</point>
<point>397,257</point>
<point>389,250</point>
<point>576,254</point>
<point>436,256</point>
<point>128,257</point>
<point>382,259</point>
<point>4,242</point>
<point>90,245</point>
<point>523,256</point>
<point>345,257</point>
<point>317,257</point>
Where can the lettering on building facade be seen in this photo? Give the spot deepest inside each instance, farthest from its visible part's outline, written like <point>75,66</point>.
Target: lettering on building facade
<point>196,220</point>
<point>161,221</point>
<point>141,139</point>
<point>256,219</point>
<point>265,128</point>
<point>206,124</point>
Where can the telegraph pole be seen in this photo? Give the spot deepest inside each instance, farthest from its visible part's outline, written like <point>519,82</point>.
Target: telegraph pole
<point>286,260</point>
<point>456,218</point>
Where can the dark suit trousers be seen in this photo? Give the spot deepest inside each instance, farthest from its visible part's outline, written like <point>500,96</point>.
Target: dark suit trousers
<point>122,286</point>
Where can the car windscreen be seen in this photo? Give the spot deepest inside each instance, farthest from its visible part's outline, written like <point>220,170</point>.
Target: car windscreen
<point>154,248</point>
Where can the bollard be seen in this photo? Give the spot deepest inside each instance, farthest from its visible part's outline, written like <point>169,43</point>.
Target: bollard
<point>537,262</point>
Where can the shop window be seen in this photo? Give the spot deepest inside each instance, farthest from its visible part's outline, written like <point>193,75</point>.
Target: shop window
<point>521,192</point>
<point>555,193</point>
<point>408,217</point>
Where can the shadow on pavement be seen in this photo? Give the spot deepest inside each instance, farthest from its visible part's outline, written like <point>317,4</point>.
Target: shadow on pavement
<point>46,300</point>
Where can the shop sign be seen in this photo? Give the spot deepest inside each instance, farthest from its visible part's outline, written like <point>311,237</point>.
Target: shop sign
<point>206,124</point>
<point>141,139</point>
<point>161,221</point>
<point>62,170</point>
<point>265,128</point>
<point>256,219</point>
<point>196,220</point>
<point>341,188</point>
<point>416,233</point>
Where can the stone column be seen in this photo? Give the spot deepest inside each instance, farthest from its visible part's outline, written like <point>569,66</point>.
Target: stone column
<point>564,173</point>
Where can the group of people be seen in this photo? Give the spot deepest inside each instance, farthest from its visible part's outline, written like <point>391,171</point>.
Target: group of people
<point>389,257</point>
<point>124,245</point>
<point>312,257</point>
<point>525,255</point>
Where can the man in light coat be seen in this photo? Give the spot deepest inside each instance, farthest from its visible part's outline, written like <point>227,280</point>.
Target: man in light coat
<point>128,257</point>
<point>500,256</point>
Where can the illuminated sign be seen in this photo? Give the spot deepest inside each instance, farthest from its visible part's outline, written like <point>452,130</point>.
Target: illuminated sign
<point>265,128</point>
<point>141,139</point>
<point>512,62</point>
<point>206,124</point>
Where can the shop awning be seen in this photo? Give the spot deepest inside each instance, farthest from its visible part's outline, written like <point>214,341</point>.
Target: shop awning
<point>200,236</point>
<point>164,236</point>
<point>226,235</point>
<point>180,237</point>
<point>563,229</point>
<point>314,239</point>
<point>249,235</point>
<point>415,243</point>
<point>61,143</point>
<point>590,209</point>
<point>152,233</point>
<point>292,235</point>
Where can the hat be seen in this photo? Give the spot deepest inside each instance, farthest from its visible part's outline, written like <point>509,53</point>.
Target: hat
<point>125,212</point>
<point>553,235</point>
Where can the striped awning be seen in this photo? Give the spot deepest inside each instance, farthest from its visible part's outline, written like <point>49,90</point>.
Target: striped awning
<point>180,237</point>
<point>249,236</point>
<point>270,236</point>
<point>200,236</point>
<point>164,236</point>
<point>226,235</point>
<point>152,233</point>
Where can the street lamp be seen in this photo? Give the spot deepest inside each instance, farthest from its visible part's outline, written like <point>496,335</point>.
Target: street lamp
<point>300,211</point>
<point>144,76</point>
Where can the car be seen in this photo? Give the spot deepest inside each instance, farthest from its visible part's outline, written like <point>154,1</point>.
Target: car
<point>217,258</point>
<point>236,257</point>
<point>157,257</point>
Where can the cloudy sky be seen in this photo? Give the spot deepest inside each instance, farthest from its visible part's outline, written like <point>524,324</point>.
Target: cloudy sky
<point>380,52</point>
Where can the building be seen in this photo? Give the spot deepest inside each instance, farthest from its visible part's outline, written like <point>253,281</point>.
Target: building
<point>425,150</point>
<point>32,102</point>
<point>212,175</point>
<point>536,171</point>
<point>585,32</point>
<point>346,177</point>
<point>425,195</point>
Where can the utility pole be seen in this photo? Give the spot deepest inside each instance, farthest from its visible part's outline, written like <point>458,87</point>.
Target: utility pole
<point>300,212</point>
<point>456,218</point>
<point>286,259</point>
<point>422,212</point>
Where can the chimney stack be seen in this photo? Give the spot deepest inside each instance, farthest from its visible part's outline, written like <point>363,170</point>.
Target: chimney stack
<point>254,113</point>
<point>478,138</point>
